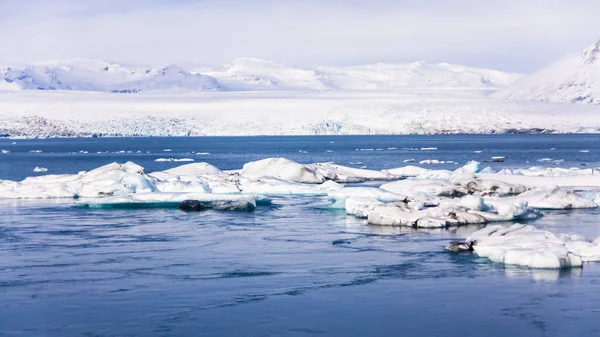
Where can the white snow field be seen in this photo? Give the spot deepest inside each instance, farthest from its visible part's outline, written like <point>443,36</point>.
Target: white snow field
<point>256,74</point>
<point>426,199</point>
<point>574,79</point>
<point>410,111</point>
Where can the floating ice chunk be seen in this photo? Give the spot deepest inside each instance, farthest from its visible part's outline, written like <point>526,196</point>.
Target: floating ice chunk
<point>167,150</point>
<point>330,151</point>
<point>584,151</point>
<point>283,169</point>
<point>498,159</point>
<point>361,207</point>
<point>392,148</point>
<point>174,160</point>
<point>407,171</point>
<point>202,153</point>
<point>428,148</point>
<point>35,151</point>
<point>276,187</point>
<point>346,174</point>
<point>554,198</point>
<point>161,199</point>
<point>365,192</point>
<point>40,169</point>
<point>431,161</point>
<point>477,151</point>
<point>530,247</point>
<point>412,160</point>
<point>487,187</point>
<point>5,151</point>
<point>400,214</point>
<point>437,187</point>
<point>194,169</point>
<point>470,168</point>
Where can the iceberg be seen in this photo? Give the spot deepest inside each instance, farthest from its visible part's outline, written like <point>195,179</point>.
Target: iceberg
<point>527,246</point>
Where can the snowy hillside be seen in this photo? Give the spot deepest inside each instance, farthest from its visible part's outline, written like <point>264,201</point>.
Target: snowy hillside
<point>424,111</point>
<point>245,74</point>
<point>384,76</point>
<point>574,79</point>
<point>93,75</point>
<point>255,74</point>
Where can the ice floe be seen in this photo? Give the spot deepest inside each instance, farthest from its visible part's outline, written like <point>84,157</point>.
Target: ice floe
<point>528,246</point>
<point>40,169</point>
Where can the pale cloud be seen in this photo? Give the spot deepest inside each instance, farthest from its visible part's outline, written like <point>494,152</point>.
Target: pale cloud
<point>509,35</point>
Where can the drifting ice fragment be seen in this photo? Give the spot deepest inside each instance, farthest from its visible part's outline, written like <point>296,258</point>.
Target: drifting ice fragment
<point>530,247</point>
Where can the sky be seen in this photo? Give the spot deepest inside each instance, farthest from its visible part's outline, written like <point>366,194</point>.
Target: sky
<point>509,35</point>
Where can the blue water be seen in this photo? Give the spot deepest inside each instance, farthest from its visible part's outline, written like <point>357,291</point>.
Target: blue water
<point>289,269</point>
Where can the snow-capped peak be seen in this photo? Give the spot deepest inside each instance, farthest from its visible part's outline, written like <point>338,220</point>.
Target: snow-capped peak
<point>574,78</point>
<point>590,54</point>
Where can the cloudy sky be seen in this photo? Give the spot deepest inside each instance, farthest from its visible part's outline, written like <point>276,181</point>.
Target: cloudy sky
<point>510,35</point>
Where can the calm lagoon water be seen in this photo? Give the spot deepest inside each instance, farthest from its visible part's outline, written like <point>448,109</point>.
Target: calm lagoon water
<point>290,269</point>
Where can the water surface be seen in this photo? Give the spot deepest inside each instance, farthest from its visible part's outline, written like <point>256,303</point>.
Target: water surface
<point>293,268</point>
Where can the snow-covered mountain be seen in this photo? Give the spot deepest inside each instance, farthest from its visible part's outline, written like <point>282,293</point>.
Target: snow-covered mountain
<point>245,74</point>
<point>388,76</point>
<point>574,78</point>
<point>256,74</point>
<point>93,75</point>
<point>248,73</point>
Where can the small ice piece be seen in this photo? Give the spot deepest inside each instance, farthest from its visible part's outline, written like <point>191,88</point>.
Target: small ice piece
<point>379,149</point>
<point>584,151</point>
<point>40,169</point>
<point>408,160</point>
<point>428,148</point>
<point>174,160</point>
<point>498,159</point>
<point>5,151</point>
<point>329,151</point>
<point>477,151</point>
<point>35,151</point>
<point>392,148</point>
<point>167,150</point>
<point>83,152</point>
<point>431,161</point>
<point>202,153</point>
